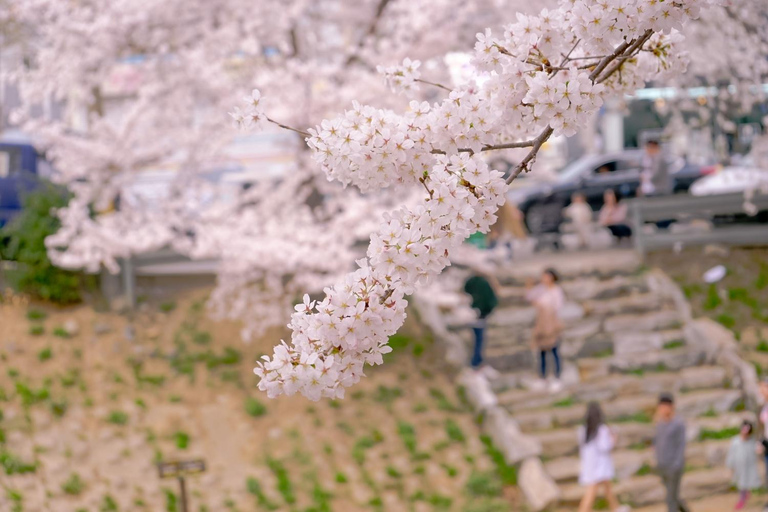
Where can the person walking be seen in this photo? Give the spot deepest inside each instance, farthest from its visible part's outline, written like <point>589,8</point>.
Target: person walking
<point>596,440</point>
<point>548,299</point>
<point>669,442</point>
<point>742,460</point>
<point>613,215</point>
<point>484,301</point>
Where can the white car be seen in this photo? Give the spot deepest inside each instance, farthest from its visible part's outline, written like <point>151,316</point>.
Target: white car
<point>730,180</point>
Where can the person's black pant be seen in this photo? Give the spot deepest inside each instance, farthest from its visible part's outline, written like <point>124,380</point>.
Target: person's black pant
<point>671,480</point>
<point>477,353</point>
<point>543,362</point>
<point>620,231</point>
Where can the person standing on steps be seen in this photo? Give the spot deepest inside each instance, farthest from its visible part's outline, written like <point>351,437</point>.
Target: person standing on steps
<point>764,421</point>
<point>742,460</point>
<point>484,300</point>
<point>669,442</point>
<point>548,299</point>
<point>596,440</point>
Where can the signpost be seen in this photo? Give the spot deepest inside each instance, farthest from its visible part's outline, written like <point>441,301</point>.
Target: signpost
<point>178,470</point>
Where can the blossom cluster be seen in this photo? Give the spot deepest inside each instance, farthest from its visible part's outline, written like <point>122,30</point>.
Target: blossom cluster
<point>402,78</point>
<point>545,73</point>
<point>252,116</point>
<point>334,338</point>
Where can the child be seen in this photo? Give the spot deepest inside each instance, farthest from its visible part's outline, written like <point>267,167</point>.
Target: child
<point>742,460</point>
<point>580,215</point>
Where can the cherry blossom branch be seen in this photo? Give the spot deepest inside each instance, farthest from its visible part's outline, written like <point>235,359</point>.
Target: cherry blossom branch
<point>435,84</point>
<point>286,127</point>
<point>628,53</point>
<point>531,156</point>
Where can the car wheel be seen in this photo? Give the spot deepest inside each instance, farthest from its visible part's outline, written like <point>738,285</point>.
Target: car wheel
<point>536,218</point>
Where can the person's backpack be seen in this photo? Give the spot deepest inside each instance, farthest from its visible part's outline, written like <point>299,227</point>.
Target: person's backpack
<point>483,297</point>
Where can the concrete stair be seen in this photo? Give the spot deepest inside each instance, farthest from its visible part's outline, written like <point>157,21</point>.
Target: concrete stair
<point>623,344</point>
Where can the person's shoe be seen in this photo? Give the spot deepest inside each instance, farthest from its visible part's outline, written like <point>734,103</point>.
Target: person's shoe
<point>623,508</point>
<point>555,386</point>
<point>539,385</point>
<point>490,372</point>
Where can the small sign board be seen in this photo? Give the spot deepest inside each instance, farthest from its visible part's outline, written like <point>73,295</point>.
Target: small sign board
<point>175,469</point>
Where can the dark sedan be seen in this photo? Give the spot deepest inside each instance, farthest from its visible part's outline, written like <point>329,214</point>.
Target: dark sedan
<point>542,203</point>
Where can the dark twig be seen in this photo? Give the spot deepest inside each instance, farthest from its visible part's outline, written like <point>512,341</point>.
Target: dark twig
<point>286,127</point>
<point>441,86</point>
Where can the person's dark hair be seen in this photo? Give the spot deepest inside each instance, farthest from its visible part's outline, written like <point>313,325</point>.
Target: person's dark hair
<point>592,421</point>
<point>747,423</point>
<point>652,142</point>
<point>666,398</point>
<point>552,272</point>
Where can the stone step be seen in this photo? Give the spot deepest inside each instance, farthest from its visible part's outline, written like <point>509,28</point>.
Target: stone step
<point>615,385</point>
<point>654,321</point>
<point>563,442</point>
<point>648,489</point>
<point>582,289</point>
<point>692,404</point>
<point>515,354</point>
<point>573,265</point>
<point>629,462</point>
<point>646,362</point>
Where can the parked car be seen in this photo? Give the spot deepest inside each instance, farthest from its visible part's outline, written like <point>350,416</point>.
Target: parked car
<point>730,180</point>
<point>542,203</point>
<point>21,166</point>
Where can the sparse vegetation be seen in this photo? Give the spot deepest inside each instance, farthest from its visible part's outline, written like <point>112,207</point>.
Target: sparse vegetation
<point>117,418</point>
<point>73,485</point>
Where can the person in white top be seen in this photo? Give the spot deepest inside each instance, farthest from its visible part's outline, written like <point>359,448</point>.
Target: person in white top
<point>596,441</point>
<point>548,299</point>
<point>580,215</point>
<point>764,422</point>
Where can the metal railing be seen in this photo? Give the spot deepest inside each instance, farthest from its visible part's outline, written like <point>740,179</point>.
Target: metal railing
<point>686,208</point>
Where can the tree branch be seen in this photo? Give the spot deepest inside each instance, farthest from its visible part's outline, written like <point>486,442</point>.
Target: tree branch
<point>371,30</point>
<point>531,156</point>
<point>286,127</point>
<point>435,84</point>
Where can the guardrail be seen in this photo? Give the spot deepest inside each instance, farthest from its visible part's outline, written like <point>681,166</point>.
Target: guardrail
<point>684,208</point>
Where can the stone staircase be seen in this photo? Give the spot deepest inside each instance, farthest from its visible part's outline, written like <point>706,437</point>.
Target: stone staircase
<point>626,340</point>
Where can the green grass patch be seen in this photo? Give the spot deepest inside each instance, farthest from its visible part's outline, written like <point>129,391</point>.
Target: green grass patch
<point>284,485</point>
<point>407,433</point>
<point>645,469</point>
<point>108,504</point>
<point>255,408</point>
<point>565,402</point>
<point>118,418</point>
<point>36,314</point>
<point>387,395</point>
<point>443,403</point>
<point>726,320</point>
<point>30,396</point>
<point>762,345</point>
<point>712,300</point>
<point>709,413</point>
<point>725,433</point>
<point>60,332</point>
<point>45,355</point>
<point>36,330</point>
<point>341,478</point>
<point>670,345</point>
<point>181,440</point>
<point>73,485</point>
<point>14,465</point>
<point>507,473</point>
<point>454,432</point>
<point>167,307</point>
<point>483,484</point>
<point>640,417</point>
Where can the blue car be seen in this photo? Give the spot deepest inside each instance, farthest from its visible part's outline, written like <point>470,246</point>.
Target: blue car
<point>21,167</point>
